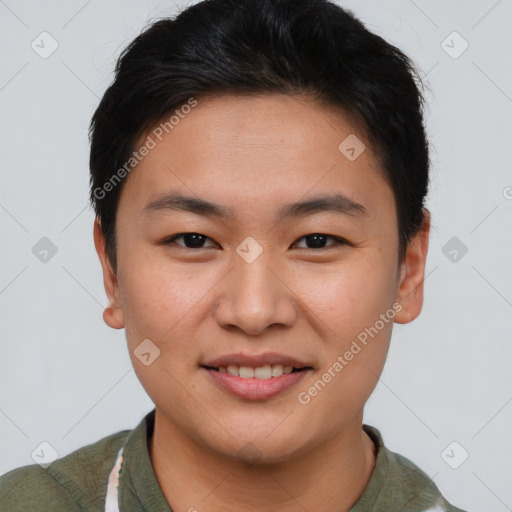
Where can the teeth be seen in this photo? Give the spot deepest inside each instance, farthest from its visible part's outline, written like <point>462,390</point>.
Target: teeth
<point>262,372</point>
<point>277,370</point>
<point>246,372</point>
<point>233,370</point>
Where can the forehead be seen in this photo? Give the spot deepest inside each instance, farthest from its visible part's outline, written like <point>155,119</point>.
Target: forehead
<point>271,148</point>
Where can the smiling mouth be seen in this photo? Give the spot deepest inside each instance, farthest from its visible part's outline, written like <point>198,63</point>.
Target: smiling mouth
<point>261,372</point>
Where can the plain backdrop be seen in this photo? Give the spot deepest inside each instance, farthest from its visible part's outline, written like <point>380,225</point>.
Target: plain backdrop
<point>66,378</point>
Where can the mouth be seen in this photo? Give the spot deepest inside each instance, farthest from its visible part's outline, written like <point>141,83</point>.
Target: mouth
<point>255,378</point>
<point>264,372</point>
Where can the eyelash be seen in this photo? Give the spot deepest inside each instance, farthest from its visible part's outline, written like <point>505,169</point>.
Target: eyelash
<point>338,241</point>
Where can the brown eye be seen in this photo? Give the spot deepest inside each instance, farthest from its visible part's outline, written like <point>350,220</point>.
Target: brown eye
<point>318,241</point>
<point>190,240</point>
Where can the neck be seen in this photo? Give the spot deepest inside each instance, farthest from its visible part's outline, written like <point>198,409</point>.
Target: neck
<point>331,476</point>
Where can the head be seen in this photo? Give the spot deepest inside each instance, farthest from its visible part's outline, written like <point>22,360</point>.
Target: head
<point>217,124</point>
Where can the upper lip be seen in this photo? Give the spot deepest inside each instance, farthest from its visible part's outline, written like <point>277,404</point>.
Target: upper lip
<point>256,360</point>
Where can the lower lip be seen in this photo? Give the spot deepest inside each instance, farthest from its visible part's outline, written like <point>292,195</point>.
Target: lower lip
<point>255,389</point>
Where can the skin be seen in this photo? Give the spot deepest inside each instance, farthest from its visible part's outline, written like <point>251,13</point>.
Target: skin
<point>254,154</point>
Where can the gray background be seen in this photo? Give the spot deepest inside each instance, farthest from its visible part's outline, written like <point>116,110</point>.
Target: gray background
<point>66,378</point>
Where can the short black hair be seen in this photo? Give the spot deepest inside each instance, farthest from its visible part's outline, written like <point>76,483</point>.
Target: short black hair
<point>311,48</point>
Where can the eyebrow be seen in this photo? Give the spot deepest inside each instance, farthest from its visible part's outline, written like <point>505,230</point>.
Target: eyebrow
<point>336,203</point>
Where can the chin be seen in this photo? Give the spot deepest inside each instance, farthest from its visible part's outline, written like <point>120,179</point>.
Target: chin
<point>267,445</point>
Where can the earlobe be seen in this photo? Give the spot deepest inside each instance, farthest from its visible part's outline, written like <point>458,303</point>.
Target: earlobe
<point>412,275</point>
<point>113,314</point>
<point>111,318</point>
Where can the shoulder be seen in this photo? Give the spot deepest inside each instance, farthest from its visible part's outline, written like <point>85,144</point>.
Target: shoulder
<point>401,484</point>
<point>32,488</point>
<point>76,481</point>
<point>419,489</point>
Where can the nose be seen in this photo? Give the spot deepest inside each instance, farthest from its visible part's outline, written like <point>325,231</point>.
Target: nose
<point>254,296</point>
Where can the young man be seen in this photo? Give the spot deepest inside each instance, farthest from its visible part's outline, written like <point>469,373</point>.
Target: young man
<point>258,171</point>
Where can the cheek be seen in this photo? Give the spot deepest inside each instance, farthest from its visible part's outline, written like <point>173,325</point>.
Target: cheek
<point>348,297</point>
<point>153,313</point>
<point>159,305</point>
<point>349,302</point>
<point>158,296</point>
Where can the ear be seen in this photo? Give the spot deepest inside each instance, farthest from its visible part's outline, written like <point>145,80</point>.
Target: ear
<point>412,275</point>
<point>113,315</point>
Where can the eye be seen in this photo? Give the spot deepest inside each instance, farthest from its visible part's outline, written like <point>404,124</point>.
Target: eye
<point>191,240</point>
<point>317,240</point>
<point>197,240</point>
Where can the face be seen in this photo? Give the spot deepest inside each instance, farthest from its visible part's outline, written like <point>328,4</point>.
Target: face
<point>254,282</point>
